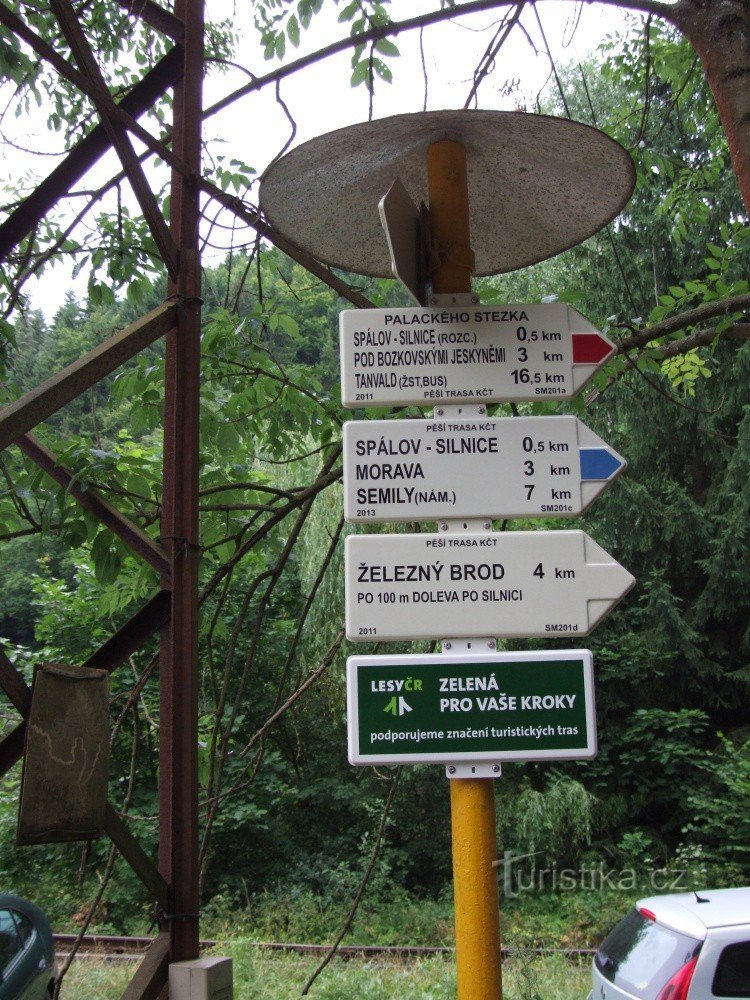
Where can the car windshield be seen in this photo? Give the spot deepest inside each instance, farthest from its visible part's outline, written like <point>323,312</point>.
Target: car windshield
<point>641,955</point>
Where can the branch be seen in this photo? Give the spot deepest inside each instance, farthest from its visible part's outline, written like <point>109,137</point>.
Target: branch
<point>326,477</point>
<point>709,310</point>
<point>293,697</point>
<point>487,62</point>
<point>740,331</point>
<point>362,885</point>
<point>252,217</point>
<point>241,782</point>
<point>158,17</point>
<point>222,731</point>
<point>392,28</point>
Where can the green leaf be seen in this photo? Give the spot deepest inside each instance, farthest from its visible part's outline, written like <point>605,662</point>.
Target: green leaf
<point>349,11</point>
<point>292,30</point>
<point>382,70</point>
<point>386,47</point>
<point>288,324</point>
<point>360,74</point>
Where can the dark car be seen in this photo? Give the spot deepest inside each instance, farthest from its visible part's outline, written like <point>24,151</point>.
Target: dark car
<point>27,952</point>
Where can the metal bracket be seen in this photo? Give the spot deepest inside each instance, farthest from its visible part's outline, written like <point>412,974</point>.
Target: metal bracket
<point>468,646</point>
<point>452,411</point>
<point>473,769</point>
<point>451,299</point>
<point>459,525</point>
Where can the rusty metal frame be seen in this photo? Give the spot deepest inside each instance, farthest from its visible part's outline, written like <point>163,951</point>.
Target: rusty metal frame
<point>173,611</point>
<point>118,137</point>
<point>43,400</point>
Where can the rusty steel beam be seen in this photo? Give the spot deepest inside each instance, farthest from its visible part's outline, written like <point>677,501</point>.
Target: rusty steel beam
<point>48,397</point>
<point>178,731</point>
<point>159,148</point>
<point>118,832</point>
<point>16,688</point>
<point>133,536</point>
<point>83,156</point>
<point>118,137</point>
<point>43,49</point>
<point>87,86</point>
<point>11,748</point>
<point>133,634</point>
<point>152,973</point>
<point>155,15</point>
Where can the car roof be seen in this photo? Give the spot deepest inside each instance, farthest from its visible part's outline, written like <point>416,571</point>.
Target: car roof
<point>696,913</point>
<point>12,902</point>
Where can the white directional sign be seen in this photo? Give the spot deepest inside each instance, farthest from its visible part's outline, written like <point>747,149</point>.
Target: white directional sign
<point>520,584</point>
<point>391,357</point>
<point>405,470</point>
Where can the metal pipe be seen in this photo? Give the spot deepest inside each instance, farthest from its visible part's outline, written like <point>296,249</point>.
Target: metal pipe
<point>178,743</point>
<point>477,911</point>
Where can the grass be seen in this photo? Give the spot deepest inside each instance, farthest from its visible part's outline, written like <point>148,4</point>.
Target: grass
<point>549,920</point>
<point>260,975</point>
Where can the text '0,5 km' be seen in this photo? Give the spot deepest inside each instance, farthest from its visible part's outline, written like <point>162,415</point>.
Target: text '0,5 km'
<point>391,357</point>
<point>457,707</point>
<point>521,584</point>
<point>403,470</point>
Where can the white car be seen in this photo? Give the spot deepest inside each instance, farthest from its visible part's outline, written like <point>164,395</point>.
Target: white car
<point>683,946</point>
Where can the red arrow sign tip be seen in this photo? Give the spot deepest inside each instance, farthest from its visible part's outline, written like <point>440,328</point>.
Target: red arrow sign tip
<point>590,348</point>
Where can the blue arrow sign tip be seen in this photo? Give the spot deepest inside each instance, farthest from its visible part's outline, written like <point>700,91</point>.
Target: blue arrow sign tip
<point>599,463</point>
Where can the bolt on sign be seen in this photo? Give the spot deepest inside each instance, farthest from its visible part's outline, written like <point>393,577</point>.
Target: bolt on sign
<point>519,584</point>
<point>404,470</point>
<point>486,354</point>
<point>450,708</point>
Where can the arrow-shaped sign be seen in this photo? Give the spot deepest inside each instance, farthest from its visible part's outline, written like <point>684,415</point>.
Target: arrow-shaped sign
<point>517,584</point>
<point>406,470</point>
<point>487,354</point>
<point>600,464</point>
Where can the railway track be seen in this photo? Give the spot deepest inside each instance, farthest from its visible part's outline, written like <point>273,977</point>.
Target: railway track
<point>111,948</point>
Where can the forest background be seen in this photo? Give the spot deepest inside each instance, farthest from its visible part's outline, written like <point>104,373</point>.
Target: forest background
<point>288,826</point>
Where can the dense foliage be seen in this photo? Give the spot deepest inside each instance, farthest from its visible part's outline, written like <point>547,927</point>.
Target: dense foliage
<point>284,814</point>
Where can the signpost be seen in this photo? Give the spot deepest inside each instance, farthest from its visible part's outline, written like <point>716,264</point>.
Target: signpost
<point>463,468</point>
<point>488,354</point>
<point>524,583</point>
<point>443,708</point>
<point>403,470</point>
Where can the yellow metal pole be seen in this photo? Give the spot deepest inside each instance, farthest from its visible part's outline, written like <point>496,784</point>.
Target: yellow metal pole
<point>477,910</point>
<point>452,261</point>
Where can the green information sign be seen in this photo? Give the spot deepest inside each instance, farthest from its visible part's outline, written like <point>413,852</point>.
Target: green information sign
<point>450,708</point>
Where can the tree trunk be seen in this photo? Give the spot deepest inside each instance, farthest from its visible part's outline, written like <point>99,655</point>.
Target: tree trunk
<point>719,31</point>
